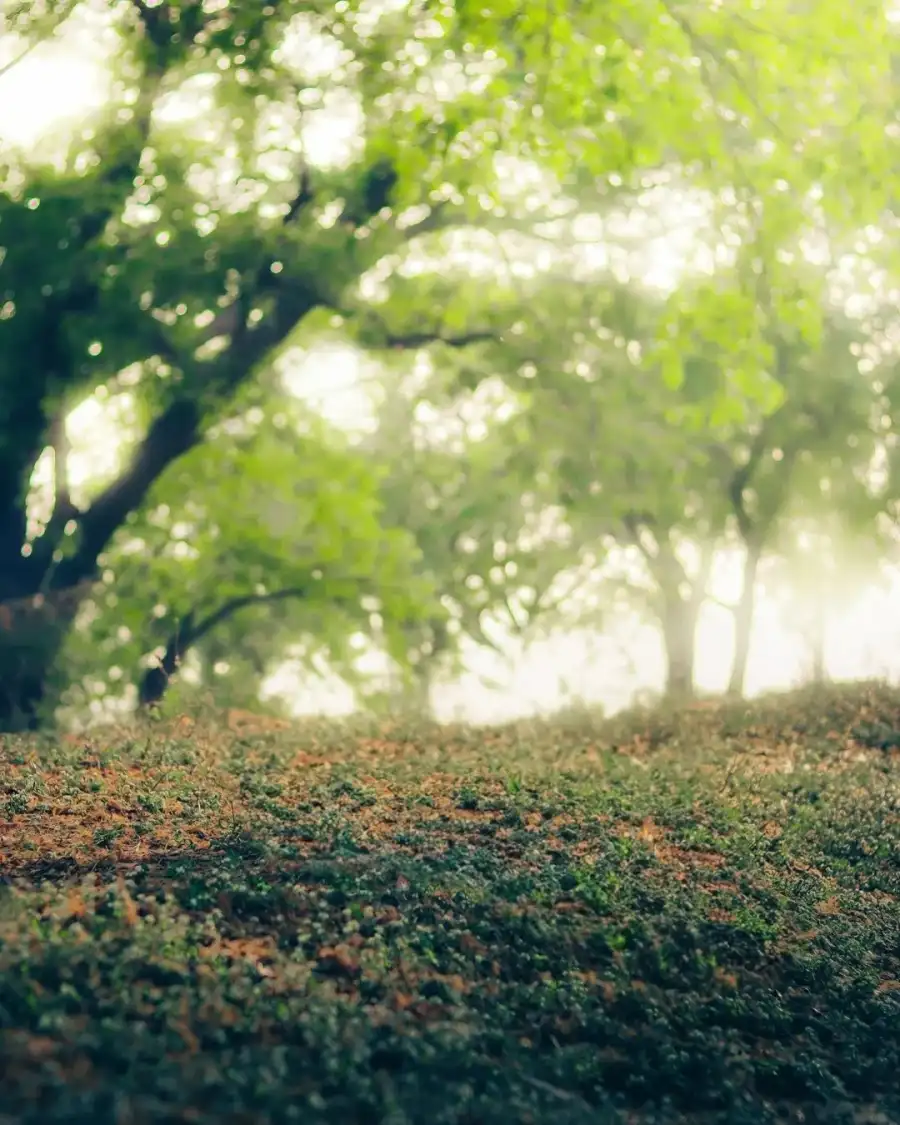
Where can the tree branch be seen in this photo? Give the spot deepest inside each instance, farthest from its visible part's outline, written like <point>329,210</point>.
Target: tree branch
<point>156,679</point>
<point>374,194</point>
<point>544,607</point>
<point>475,630</point>
<point>163,26</point>
<point>170,436</point>
<point>232,320</point>
<point>180,426</point>
<point>50,361</point>
<point>189,631</point>
<point>63,508</point>
<point>701,46</point>
<point>43,36</point>
<point>518,627</point>
<point>742,476</point>
<point>175,432</point>
<point>412,340</point>
<point>632,523</point>
<point>445,217</point>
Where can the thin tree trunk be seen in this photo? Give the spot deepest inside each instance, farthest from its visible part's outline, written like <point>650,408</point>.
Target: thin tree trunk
<point>155,681</point>
<point>190,629</point>
<point>817,643</point>
<point>743,621</point>
<point>679,637</point>
<point>414,698</point>
<point>819,671</point>
<point>682,600</point>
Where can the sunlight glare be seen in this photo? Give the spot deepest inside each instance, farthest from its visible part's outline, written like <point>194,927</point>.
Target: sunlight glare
<point>333,135</point>
<point>329,378</point>
<point>54,85</point>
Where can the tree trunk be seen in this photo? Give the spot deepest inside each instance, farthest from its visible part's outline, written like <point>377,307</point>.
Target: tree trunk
<point>682,598</point>
<point>819,672</point>
<point>816,641</point>
<point>21,698</point>
<point>743,621</point>
<point>190,629</point>
<point>679,636</point>
<point>32,632</point>
<point>155,680</point>
<point>414,698</point>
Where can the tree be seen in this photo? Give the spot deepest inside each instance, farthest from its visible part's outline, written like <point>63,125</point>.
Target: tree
<point>646,464</point>
<point>821,429</point>
<point>453,482</point>
<point>296,545</point>
<point>595,443</point>
<point>821,566</point>
<point>180,264</point>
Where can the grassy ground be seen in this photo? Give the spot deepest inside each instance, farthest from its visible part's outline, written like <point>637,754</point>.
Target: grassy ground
<point>665,918</point>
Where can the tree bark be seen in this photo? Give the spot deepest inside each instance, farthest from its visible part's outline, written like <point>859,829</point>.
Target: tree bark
<point>678,603</point>
<point>743,620</point>
<point>32,632</point>
<point>175,431</point>
<point>679,629</point>
<point>682,600</point>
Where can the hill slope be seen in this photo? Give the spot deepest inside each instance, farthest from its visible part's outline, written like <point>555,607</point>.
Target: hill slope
<point>691,916</point>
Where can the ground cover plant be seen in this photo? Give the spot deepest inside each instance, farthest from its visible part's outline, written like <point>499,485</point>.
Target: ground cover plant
<point>690,915</point>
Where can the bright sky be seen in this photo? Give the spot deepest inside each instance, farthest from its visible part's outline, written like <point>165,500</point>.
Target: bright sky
<point>57,85</point>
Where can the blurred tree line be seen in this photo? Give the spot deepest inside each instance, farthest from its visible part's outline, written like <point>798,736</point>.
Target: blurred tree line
<point>555,435</point>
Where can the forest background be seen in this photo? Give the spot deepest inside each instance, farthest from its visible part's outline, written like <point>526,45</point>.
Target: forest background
<point>401,355</point>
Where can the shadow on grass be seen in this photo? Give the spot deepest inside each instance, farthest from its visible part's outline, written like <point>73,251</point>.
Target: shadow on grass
<point>235,985</point>
<point>623,944</point>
